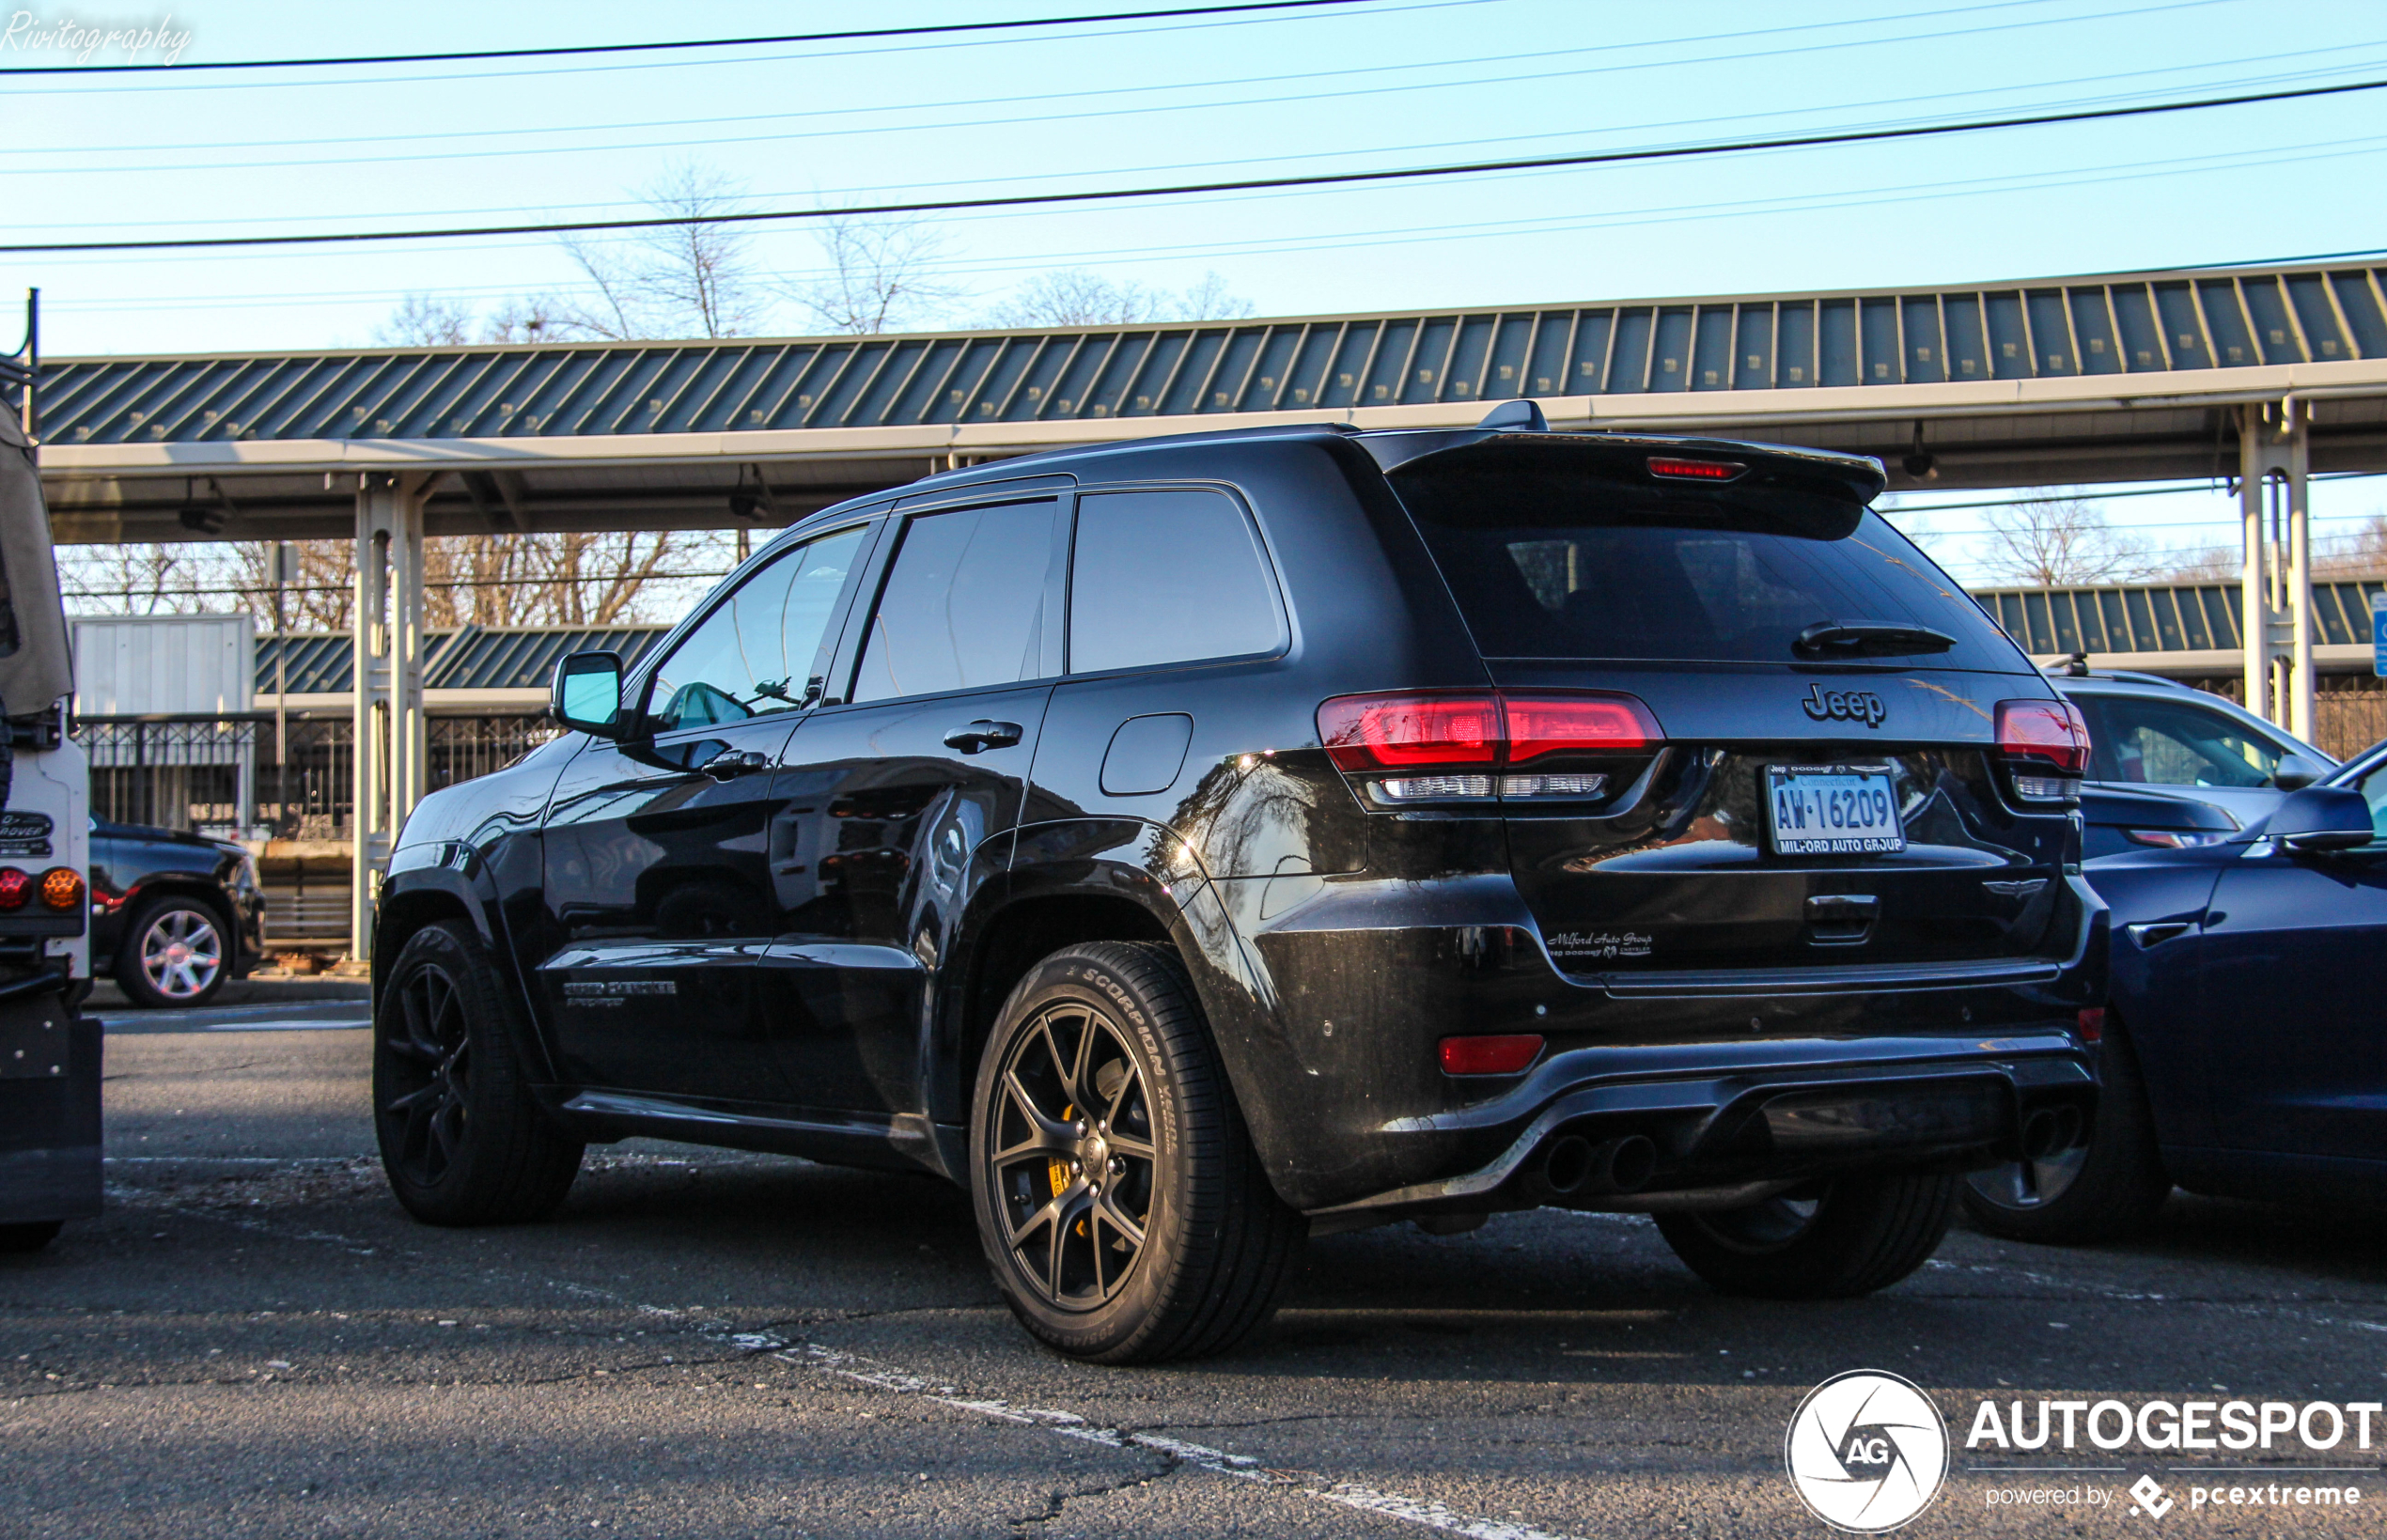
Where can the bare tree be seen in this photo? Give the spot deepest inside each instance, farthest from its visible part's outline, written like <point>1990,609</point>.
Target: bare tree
<point>1079,297</point>
<point>426,320</point>
<point>691,279</point>
<point>881,276</point>
<point>2060,539</point>
<point>2362,554</point>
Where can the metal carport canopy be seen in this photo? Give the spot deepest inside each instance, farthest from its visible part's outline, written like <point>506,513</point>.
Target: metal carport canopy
<point>2115,377</point>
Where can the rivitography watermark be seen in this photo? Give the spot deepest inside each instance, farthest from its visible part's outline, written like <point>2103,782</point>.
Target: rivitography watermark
<point>110,42</point>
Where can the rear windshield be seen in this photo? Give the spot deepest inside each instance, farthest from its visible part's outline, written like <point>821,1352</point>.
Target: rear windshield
<point>1550,563</point>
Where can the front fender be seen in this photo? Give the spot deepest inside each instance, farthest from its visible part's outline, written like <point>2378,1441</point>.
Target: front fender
<point>447,879</point>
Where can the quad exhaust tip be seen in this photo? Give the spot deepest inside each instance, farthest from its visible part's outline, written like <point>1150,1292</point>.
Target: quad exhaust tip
<point>2049,1131</point>
<point>1574,1165</point>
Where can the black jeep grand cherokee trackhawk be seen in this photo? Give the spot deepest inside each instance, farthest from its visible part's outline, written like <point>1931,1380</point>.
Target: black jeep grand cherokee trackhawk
<point>1195,844</point>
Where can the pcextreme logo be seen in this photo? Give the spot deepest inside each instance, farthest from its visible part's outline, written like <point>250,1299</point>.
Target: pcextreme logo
<point>1866,1451</point>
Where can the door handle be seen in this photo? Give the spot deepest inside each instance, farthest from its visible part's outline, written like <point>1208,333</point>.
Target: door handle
<point>729,764</point>
<point>983,735</point>
<point>2153,933</point>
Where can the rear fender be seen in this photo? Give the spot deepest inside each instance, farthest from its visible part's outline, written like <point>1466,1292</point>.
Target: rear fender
<point>1147,865</point>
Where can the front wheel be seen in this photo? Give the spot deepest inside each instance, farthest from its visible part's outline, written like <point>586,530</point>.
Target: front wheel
<point>462,1141</point>
<point>1829,1241</point>
<point>1118,1198</point>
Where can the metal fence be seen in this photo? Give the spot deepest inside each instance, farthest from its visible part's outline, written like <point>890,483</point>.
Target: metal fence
<point>241,776</point>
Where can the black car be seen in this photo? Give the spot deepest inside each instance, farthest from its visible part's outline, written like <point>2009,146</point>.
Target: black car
<point>1198,842</point>
<point>173,915</point>
<point>2243,1051</point>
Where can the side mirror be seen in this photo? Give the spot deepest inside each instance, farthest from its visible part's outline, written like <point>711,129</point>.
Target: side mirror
<point>2321,818</point>
<point>588,694</point>
<point>2296,772</point>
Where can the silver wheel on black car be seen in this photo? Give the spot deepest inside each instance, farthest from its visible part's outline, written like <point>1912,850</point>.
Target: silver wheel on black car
<point>175,953</point>
<point>1118,1198</point>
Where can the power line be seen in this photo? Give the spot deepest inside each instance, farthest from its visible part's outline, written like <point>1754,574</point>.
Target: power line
<point>692,43</point>
<point>1190,189</point>
<point>748,123</point>
<point>2087,496</point>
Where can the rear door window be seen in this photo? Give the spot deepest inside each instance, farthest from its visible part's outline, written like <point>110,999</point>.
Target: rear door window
<point>1167,576</point>
<point>1547,563</point>
<point>963,603</point>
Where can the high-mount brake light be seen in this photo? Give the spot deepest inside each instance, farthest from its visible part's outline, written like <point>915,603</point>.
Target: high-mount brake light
<point>2045,744</point>
<point>15,888</point>
<point>1400,732</point>
<point>1694,470</point>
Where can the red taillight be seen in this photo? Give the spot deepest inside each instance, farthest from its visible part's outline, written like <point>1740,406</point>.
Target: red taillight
<point>62,887</point>
<point>2092,1024</point>
<point>1540,725</point>
<point>15,888</point>
<point>1381,732</point>
<point>1694,470</point>
<point>1407,732</point>
<point>2047,735</point>
<point>1502,1055</point>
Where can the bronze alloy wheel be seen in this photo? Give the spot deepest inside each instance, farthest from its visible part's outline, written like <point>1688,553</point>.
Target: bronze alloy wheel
<point>1120,1203</point>
<point>428,1085</point>
<point>1073,1161</point>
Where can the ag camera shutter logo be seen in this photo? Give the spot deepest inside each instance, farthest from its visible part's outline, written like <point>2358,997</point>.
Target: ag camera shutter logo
<point>1866,1451</point>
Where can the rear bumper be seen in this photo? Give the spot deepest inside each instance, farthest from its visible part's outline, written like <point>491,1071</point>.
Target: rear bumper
<point>49,1121</point>
<point>1726,1123</point>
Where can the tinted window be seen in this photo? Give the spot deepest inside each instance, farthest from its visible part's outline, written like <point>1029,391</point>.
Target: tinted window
<point>753,655</point>
<point>2374,790</point>
<point>963,604</point>
<point>1549,563</point>
<point>2168,743</point>
<point>1167,577</point>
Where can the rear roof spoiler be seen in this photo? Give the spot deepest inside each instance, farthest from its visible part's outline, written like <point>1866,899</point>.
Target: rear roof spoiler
<point>1858,478</point>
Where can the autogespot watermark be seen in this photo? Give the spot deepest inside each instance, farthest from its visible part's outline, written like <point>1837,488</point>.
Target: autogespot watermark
<point>81,42</point>
<point>1867,1450</point>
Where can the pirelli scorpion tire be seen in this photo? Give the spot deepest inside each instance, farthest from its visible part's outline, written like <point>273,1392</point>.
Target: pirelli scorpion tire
<point>1119,1201</point>
<point>462,1141</point>
<point>1835,1240</point>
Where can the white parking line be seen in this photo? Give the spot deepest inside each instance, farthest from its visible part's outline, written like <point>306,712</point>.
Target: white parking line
<point>1068,1424</point>
<point>862,1371</point>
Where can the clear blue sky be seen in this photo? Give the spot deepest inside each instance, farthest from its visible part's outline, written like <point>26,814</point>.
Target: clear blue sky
<point>1398,82</point>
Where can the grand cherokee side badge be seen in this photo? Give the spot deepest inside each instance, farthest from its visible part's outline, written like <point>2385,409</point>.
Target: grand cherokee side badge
<point>1844,705</point>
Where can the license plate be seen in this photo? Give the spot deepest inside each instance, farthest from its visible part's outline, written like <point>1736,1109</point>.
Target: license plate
<point>1827,810</point>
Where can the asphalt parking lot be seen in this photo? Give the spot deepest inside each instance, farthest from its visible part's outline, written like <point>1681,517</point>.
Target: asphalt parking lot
<point>256,1341</point>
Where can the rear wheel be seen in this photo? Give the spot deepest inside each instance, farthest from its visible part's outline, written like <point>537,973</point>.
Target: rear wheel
<point>2106,1187</point>
<point>1830,1240</point>
<point>177,952</point>
<point>462,1141</point>
<point>18,1240</point>
<point>1118,1198</point>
